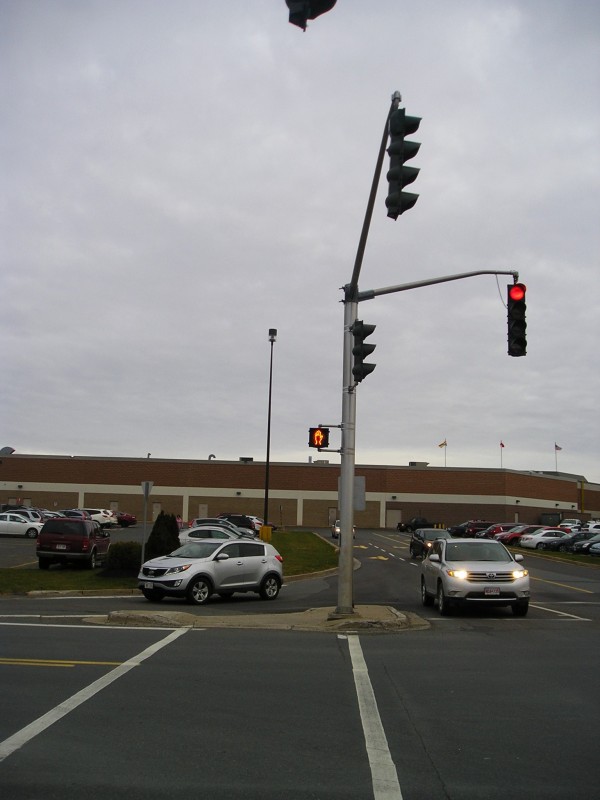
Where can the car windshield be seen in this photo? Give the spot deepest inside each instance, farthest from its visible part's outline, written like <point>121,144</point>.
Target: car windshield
<point>473,551</point>
<point>196,549</point>
<point>431,536</point>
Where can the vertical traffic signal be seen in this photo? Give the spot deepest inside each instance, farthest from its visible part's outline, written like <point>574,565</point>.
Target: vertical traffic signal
<point>517,326</point>
<point>318,437</point>
<point>399,176</point>
<point>360,351</point>
<point>303,10</point>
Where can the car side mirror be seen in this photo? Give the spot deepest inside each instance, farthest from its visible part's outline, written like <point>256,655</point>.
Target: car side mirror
<point>222,557</point>
<point>434,557</point>
<point>518,557</point>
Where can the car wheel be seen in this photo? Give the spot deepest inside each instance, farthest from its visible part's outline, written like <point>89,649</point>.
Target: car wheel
<point>269,588</point>
<point>199,591</point>
<point>443,604</point>
<point>44,563</point>
<point>562,548</point>
<point>540,546</point>
<point>426,598</point>
<point>153,595</point>
<point>31,533</point>
<point>91,562</point>
<point>412,552</point>
<point>521,609</point>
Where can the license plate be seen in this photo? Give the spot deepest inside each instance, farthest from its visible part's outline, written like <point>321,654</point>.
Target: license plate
<point>493,591</point>
<point>148,585</point>
<point>61,546</point>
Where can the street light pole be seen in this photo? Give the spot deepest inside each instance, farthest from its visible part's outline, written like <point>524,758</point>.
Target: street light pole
<point>272,339</point>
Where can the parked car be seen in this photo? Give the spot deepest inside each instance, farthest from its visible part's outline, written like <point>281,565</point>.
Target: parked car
<point>491,531</point>
<point>125,520</point>
<point>423,538</point>
<point>474,571</point>
<point>512,536</point>
<point>210,532</point>
<point>65,540</point>
<point>585,545</point>
<point>29,513</point>
<point>197,570</point>
<point>12,524</point>
<point>594,549</point>
<point>257,522</point>
<point>591,526</point>
<point>336,530</point>
<point>469,528</point>
<point>539,539</point>
<point>74,513</point>
<point>571,524</point>
<point>103,516</point>
<point>241,520</point>
<point>413,524</point>
<point>566,543</point>
<point>221,522</point>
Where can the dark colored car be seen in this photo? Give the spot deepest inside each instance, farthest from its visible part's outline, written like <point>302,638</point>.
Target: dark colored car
<point>125,520</point>
<point>469,528</point>
<point>415,522</point>
<point>67,540</point>
<point>567,543</point>
<point>583,546</point>
<point>241,520</point>
<point>423,538</point>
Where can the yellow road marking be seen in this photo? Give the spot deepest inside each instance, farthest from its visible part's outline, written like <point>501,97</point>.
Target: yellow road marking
<point>44,662</point>
<point>563,585</point>
<point>378,558</point>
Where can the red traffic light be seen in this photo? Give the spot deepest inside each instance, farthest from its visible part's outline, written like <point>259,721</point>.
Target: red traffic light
<point>517,292</point>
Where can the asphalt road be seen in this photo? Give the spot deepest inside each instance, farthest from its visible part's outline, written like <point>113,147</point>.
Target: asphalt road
<point>478,705</point>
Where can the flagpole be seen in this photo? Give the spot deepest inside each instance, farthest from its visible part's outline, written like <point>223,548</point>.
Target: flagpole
<point>555,458</point>
<point>501,455</point>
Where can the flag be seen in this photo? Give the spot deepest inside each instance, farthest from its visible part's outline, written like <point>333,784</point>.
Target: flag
<point>556,447</point>
<point>501,444</point>
<point>443,444</point>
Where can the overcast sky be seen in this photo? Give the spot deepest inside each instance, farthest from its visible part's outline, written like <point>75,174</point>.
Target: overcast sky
<point>179,177</point>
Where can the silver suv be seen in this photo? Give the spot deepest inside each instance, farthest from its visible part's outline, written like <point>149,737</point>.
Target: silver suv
<point>467,571</point>
<point>197,570</point>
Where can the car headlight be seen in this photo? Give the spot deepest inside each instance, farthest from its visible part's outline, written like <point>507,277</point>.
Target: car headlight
<point>520,573</point>
<point>175,570</point>
<point>461,574</point>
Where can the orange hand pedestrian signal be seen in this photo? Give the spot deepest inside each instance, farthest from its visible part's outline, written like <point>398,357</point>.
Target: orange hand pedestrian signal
<point>318,437</point>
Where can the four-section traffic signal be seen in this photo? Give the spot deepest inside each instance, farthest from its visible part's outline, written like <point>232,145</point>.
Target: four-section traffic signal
<point>517,326</point>
<point>399,176</point>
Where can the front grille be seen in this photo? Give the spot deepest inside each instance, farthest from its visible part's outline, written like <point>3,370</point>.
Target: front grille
<point>153,573</point>
<point>491,577</point>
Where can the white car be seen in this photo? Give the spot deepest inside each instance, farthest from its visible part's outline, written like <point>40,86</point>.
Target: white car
<point>537,540</point>
<point>29,513</point>
<point>103,516</point>
<point>12,524</point>
<point>211,532</point>
<point>256,521</point>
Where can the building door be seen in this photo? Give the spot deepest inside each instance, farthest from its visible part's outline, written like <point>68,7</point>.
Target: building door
<point>392,517</point>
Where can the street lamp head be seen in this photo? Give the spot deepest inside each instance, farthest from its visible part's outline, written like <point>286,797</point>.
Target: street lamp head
<point>272,334</point>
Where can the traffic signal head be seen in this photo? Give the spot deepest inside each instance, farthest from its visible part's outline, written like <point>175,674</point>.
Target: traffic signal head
<point>318,437</point>
<point>401,151</point>
<point>360,351</point>
<point>517,326</point>
<point>303,10</point>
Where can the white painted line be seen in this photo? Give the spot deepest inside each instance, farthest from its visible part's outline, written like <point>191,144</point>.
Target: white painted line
<point>17,740</point>
<point>383,770</point>
<point>560,613</point>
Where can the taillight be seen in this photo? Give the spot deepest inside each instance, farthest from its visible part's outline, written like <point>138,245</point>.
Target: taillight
<point>279,558</point>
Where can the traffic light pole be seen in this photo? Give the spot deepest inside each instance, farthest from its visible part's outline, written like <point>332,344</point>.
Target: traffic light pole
<point>345,606</point>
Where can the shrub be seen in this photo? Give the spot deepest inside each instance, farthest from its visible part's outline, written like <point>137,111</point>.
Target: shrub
<point>124,557</point>
<point>164,537</point>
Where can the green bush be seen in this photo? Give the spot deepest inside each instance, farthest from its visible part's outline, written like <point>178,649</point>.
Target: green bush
<point>164,537</point>
<point>124,557</point>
